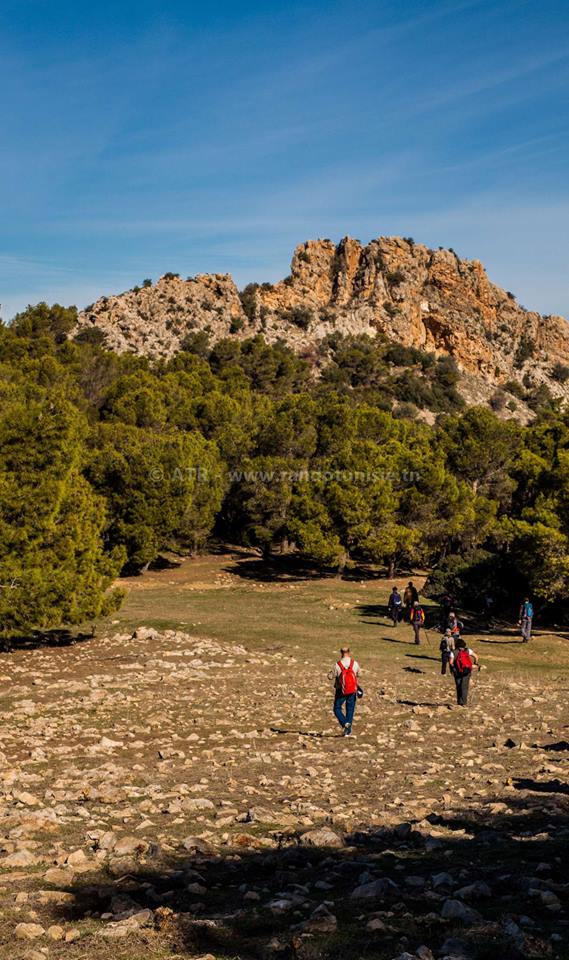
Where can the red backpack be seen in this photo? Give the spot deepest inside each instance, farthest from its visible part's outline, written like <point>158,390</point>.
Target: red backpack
<point>462,662</point>
<point>348,682</point>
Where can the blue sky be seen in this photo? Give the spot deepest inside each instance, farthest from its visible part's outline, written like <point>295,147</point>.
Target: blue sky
<point>140,137</point>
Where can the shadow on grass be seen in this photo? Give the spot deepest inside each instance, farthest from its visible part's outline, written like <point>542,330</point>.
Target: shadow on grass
<point>292,568</point>
<point>276,896</point>
<point>47,638</point>
<point>406,643</point>
<point>288,569</point>
<point>164,563</point>
<point>423,656</point>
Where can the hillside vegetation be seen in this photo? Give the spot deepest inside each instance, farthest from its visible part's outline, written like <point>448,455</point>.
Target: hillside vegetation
<point>109,459</point>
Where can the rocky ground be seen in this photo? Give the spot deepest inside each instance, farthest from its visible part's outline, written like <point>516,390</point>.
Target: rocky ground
<point>164,793</point>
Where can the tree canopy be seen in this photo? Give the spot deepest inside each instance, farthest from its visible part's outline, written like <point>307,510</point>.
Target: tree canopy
<point>108,460</point>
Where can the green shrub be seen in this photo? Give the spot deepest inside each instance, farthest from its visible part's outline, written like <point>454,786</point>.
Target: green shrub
<point>236,325</point>
<point>299,316</point>
<point>405,411</point>
<point>498,401</point>
<point>390,308</point>
<point>525,350</point>
<point>248,298</point>
<point>402,356</point>
<point>92,335</point>
<point>560,373</point>
<point>196,343</point>
<point>515,388</point>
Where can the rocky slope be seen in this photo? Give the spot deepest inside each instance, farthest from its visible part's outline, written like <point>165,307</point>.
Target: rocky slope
<point>430,299</point>
<point>147,810</point>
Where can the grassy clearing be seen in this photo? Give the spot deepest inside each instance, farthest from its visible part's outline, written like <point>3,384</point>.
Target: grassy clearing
<point>234,599</point>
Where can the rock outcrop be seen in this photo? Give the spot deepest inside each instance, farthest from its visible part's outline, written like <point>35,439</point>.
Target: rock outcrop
<point>430,299</point>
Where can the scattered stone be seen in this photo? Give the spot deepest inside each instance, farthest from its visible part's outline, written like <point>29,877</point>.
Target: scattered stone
<point>130,847</point>
<point>28,931</point>
<point>474,891</point>
<point>457,910</point>
<point>321,837</point>
<point>127,927</point>
<point>21,858</point>
<point>375,889</point>
<point>144,633</point>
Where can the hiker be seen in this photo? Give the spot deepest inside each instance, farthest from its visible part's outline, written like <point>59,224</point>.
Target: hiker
<point>525,618</point>
<point>447,604</point>
<point>454,624</point>
<point>394,606</point>
<point>345,675</point>
<point>488,606</point>
<point>462,659</point>
<point>410,596</point>
<point>417,620</point>
<point>446,647</point>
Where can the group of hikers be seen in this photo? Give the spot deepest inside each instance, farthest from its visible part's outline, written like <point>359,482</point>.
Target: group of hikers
<point>408,608</point>
<point>456,656</point>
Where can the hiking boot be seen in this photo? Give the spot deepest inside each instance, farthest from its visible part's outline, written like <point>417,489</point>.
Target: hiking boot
<point>347,730</point>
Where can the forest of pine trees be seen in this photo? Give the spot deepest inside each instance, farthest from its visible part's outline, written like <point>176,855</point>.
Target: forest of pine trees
<point>107,460</point>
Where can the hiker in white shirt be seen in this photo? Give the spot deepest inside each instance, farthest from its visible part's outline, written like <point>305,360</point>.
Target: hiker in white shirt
<point>345,675</point>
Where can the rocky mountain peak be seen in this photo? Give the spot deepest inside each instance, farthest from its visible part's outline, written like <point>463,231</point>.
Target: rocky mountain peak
<point>429,299</point>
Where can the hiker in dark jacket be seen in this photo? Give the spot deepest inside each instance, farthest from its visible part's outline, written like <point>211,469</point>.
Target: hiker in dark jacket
<point>525,619</point>
<point>446,647</point>
<point>447,604</point>
<point>410,596</point>
<point>462,660</point>
<point>417,620</point>
<point>394,606</point>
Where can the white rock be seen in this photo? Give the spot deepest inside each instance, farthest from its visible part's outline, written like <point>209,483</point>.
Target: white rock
<point>28,931</point>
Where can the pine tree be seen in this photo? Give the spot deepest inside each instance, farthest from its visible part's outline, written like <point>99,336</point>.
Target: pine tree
<point>53,568</point>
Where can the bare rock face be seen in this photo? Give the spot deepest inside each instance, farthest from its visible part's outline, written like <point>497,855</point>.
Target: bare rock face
<point>155,320</point>
<point>430,299</point>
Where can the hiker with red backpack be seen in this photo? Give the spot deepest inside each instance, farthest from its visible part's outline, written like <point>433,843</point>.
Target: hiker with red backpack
<point>417,620</point>
<point>462,661</point>
<point>346,687</point>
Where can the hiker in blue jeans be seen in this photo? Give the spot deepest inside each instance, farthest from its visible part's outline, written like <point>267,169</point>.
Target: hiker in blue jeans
<point>345,675</point>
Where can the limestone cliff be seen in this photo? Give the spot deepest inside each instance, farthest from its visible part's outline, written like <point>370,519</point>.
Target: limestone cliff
<point>426,298</point>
